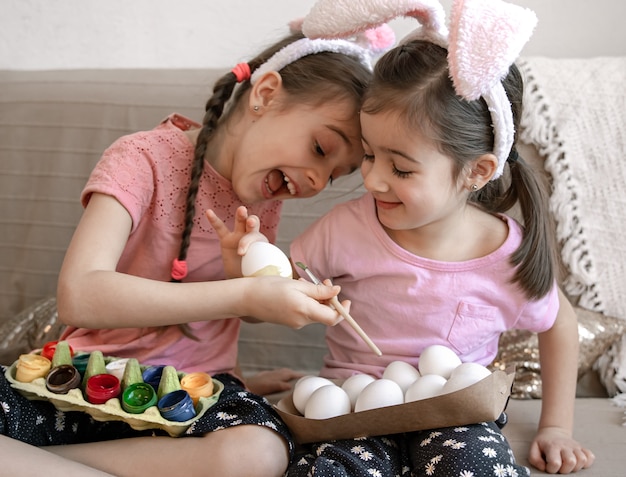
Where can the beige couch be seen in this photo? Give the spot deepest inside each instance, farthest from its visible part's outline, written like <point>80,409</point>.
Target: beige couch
<point>53,128</point>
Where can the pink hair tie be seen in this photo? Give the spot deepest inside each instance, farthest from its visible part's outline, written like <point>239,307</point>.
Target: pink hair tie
<point>179,269</point>
<point>241,72</point>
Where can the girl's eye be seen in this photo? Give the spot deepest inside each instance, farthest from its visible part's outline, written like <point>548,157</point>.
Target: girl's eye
<point>318,149</point>
<point>368,157</point>
<point>402,174</point>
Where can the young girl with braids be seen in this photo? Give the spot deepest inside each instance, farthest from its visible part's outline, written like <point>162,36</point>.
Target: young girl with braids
<point>427,256</point>
<point>143,276</point>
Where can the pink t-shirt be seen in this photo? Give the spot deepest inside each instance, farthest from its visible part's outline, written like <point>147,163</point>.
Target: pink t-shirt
<point>405,302</point>
<point>148,173</point>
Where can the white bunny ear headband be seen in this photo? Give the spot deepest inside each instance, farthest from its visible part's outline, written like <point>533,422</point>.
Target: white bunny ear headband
<point>363,45</point>
<point>485,38</point>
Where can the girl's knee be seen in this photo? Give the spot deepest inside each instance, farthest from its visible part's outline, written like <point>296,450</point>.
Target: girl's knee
<point>247,450</point>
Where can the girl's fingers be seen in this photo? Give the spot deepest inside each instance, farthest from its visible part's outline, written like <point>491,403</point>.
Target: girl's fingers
<point>253,224</point>
<point>249,239</point>
<point>217,224</point>
<point>241,219</point>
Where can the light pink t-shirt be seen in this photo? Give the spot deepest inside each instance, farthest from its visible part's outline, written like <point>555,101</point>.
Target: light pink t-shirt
<point>148,173</point>
<point>405,302</point>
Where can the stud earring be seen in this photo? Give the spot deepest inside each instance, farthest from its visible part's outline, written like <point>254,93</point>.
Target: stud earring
<point>474,187</point>
<point>255,108</point>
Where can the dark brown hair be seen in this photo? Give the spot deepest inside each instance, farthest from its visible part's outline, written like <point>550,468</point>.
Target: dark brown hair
<point>313,80</point>
<point>414,79</point>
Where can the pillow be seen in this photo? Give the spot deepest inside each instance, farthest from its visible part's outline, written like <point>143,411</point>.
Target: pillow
<point>29,330</point>
<point>611,368</point>
<point>596,333</point>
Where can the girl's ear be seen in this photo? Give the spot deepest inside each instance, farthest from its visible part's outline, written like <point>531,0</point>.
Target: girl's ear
<point>481,171</point>
<point>265,91</point>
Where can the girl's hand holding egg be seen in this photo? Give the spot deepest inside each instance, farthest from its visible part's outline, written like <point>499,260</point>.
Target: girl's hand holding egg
<point>263,258</point>
<point>234,243</point>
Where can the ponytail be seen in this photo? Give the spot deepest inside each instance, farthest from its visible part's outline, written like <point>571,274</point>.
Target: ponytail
<point>536,258</point>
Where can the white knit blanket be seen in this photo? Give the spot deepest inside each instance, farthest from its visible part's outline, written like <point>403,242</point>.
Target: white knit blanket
<point>575,113</point>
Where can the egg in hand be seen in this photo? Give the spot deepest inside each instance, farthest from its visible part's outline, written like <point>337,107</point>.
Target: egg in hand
<point>263,258</point>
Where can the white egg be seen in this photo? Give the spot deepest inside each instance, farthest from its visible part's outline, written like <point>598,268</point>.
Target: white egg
<point>426,386</point>
<point>306,376</point>
<point>303,389</point>
<point>402,373</point>
<point>264,258</point>
<point>379,393</point>
<point>458,382</point>
<point>355,384</point>
<point>438,359</point>
<point>474,369</point>
<point>326,402</point>
<point>465,375</point>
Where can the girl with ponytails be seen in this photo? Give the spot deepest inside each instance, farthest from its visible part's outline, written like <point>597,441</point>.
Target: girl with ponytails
<point>428,256</point>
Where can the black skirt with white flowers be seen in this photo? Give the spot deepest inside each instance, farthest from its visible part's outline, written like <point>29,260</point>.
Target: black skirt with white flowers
<point>39,423</point>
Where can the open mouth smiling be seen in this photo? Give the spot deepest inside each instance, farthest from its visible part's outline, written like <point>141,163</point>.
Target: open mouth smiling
<point>277,182</point>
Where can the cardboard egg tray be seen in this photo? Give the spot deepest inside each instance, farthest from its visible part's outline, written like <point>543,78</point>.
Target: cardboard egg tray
<point>483,401</point>
<point>111,410</point>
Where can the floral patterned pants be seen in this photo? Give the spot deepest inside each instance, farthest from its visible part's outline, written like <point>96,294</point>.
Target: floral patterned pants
<point>39,423</point>
<point>478,450</point>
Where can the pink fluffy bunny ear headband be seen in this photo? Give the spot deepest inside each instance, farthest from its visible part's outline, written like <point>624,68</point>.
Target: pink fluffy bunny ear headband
<point>485,38</point>
<point>363,45</point>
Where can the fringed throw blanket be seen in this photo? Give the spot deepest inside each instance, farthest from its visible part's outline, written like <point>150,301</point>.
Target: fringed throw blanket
<point>575,113</point>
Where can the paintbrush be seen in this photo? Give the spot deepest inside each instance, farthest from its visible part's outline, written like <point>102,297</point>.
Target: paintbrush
<point>334,301</point>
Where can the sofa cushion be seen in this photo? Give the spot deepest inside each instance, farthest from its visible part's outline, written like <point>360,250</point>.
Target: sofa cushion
<point>54,125</point>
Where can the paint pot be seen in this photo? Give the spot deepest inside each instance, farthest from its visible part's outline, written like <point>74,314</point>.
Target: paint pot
<point>31,366</point>
<point>152,376</point>
<point>138,397</point>
<point>117,367</point>
<point>62,378</point>
<point>80,362</point>
<point>198,385</point>
<point>102,387</point>
<point>177,406</point>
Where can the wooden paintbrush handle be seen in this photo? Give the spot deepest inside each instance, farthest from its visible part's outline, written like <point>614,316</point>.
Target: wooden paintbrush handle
<point>343,312</point>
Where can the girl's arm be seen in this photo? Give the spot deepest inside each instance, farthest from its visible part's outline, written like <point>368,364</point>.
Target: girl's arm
<point>554,449</point>
<point>91,294</point>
